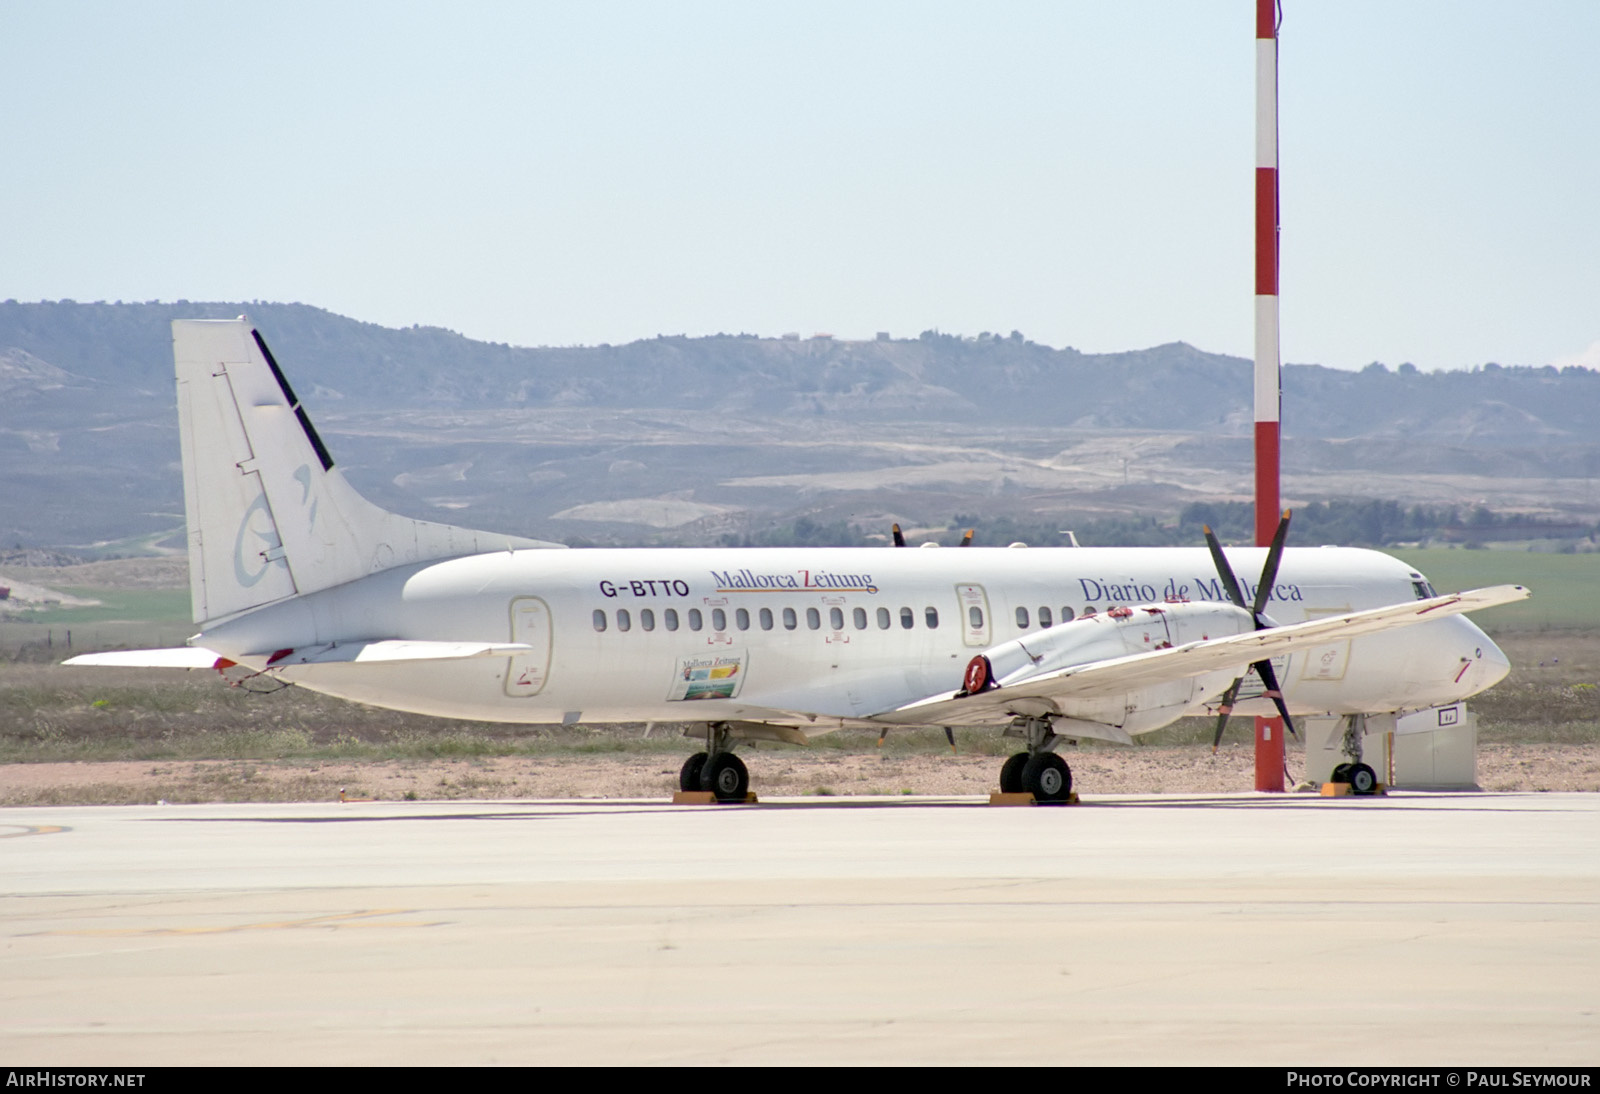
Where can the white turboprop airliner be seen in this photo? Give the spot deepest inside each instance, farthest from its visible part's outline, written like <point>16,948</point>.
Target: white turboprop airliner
<point>295,576</point>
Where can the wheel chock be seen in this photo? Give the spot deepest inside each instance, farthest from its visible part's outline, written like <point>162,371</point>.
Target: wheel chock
<point>706,797</point>
<point>1024,798</point>
<point>1343,790</point>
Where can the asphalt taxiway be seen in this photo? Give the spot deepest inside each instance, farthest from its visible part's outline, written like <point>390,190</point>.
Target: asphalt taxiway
<point>1236,929</point>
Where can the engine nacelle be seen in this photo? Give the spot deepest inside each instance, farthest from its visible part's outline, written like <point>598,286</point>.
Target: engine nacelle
<point>1119,632</point>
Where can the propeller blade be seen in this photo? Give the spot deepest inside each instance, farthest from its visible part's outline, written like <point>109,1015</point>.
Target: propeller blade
<point>1269,576</point>
<point>966,540</point>
<point>1224,709</point>
<point>1269,572</point>
<point>950,735</point>
<point>899,537</point>
<point>1224,571</point>
<point>882,735</point>
<point>1273,692</point>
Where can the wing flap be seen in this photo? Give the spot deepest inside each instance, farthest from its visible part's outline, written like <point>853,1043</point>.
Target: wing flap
<point>1117,675</point>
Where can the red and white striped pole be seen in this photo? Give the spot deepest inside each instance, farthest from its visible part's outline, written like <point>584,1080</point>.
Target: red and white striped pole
<point>1268,389</point>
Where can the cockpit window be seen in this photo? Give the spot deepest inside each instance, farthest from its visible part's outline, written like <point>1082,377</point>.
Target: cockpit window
<point>1422,588</point>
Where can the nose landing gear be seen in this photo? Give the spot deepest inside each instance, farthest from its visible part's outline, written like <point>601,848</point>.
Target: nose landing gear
<point>1362,780</point>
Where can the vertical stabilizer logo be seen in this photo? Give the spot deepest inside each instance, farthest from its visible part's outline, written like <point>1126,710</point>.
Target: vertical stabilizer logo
<point>257,538</point>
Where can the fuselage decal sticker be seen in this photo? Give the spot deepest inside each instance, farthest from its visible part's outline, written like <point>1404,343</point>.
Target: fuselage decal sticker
<point>712,676</point>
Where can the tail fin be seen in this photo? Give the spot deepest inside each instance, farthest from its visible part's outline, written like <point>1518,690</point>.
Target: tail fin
<point>269,515</point>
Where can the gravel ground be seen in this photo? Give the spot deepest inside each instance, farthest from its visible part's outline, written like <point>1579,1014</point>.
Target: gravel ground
<point>1178,769</point>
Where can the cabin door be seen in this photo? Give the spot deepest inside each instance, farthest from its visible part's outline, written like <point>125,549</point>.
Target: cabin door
<point>526,673</point>
<point>974,604</point>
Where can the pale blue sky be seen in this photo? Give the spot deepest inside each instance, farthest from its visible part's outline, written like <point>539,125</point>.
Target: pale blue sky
<point>598,172</point>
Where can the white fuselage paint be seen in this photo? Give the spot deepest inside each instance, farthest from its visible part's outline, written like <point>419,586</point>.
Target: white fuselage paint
<point>838,674</point>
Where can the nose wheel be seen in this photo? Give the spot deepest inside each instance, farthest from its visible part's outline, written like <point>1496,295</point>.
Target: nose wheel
<point>1362,780</point>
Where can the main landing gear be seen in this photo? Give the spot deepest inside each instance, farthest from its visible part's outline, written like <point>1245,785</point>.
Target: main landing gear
<point>717,769</point>
<point>1038,771</point>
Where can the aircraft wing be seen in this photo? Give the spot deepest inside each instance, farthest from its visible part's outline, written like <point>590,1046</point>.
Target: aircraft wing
<point>1115,676</point>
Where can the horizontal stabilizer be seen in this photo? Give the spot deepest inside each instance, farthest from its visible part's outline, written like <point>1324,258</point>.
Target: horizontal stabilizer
<point>362,653</point>
<point>368,653</point>
<point>183,657</point>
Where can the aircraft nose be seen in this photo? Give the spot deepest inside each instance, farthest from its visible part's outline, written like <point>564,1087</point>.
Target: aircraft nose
<point>1496,664</point>
<point>1484,664</point>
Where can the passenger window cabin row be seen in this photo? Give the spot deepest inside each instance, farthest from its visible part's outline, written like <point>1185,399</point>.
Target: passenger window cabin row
<point>1046,619</point>
<point>765,618</point>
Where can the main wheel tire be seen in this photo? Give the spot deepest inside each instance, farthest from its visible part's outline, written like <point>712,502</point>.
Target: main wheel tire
<point>725,776</point>
<point>1047,777</point>
<point>1341,773</point>
<point>1011,774</point>
<point>689,773</point>
<point>1363,780</point>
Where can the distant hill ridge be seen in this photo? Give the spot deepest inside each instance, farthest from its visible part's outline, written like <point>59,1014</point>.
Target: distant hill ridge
<point>738,435</point>
<point>60,355</point>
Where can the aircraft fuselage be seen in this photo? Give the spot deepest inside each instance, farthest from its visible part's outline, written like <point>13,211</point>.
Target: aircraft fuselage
<point>840,634</point>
